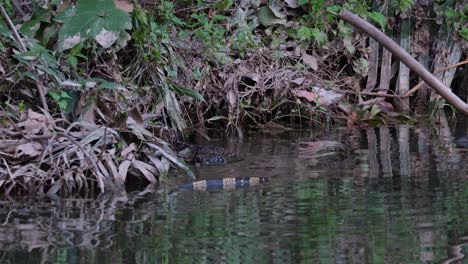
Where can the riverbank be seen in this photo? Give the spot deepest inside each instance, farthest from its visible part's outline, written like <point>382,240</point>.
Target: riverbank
<point>92,108</point>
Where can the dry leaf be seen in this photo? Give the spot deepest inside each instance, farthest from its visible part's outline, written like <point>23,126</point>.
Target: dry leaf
<point>123,170</point>
<point>128,150</point>
<point>310,61</point>
<point>33,122</point>
<point>124,5</point>
<point>309,96</point>
<point>87,112</point>
<point>136,116</point>
<point>28,149</point>
<point>147,170</point>
<point>299,80</point>
<point>103,170</point>
<point>110,164</point>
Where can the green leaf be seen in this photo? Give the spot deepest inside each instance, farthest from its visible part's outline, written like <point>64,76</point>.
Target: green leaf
<point>62,104</point>
<point>64,94</point>
<point>464,32</point>
<point>214,118</point>
<point>31,27</point>
<point>374,111</point>
<point>378,18</point>
<point>361,66</point>
<point>73,61</point>
<point>76,50</point>
<point>334,8</point>
<point>58,75</point>
<point>109,85</point>
<point>4,29</point>
<point>188,92</point>
<point>50,32</point>
<point>96,19</point>
<point>54,95</point>
<point>319,36</point>
<point>29,55</point>
<point>267,16</point>
<point>304,33</point>
<point>30,75</point>
<point>405,4</point>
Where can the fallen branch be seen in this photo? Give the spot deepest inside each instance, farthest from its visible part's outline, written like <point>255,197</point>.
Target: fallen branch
<point>406,58</point>
<point>382,95</point>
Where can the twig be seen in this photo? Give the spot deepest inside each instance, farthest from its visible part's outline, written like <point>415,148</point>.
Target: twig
<point>40,88</point>
<point>13,28</point>
<point>420,84</point>
<point>12,123</point>
<point>383,95</point>
<point>18,8</point>
<point>49,146</point>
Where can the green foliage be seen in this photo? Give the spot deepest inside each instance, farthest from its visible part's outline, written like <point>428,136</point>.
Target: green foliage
<point>4,28</point>
<point>74,54</point>
<point>210,30</point>
<point>61,97</point>
<point>405,5</point>
<point>268,16</point>
<point>31,27</point>
<point>378,18</point>
<point>361,67</point>
<point>105,23</point>
<point>464,32</point>
<point>166,10</point>
<point>306,33</point>
<point>4,31</point>
<point>458,19</point>
<point>186,91</point>
<point>8,7</point>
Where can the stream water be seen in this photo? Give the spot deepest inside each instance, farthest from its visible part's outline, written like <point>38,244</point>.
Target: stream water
<point>386,195</point>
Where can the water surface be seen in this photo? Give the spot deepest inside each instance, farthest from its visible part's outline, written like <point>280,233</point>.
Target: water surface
<point>390,195</point>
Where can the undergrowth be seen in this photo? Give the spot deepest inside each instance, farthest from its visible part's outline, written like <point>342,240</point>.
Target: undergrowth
<point>100,102</point>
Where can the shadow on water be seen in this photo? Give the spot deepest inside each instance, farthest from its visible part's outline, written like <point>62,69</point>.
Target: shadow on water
<point>384,195</point>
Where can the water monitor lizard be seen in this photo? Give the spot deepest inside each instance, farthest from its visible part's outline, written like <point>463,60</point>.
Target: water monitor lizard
<point>224,183</point>
<point>205,154</point>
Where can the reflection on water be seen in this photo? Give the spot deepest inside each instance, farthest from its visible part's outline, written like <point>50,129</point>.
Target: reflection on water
<point>386,195</point>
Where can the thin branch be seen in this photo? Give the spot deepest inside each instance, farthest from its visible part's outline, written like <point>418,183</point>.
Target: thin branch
<point>420,84</point>
<point>13,28</point>
<point>18,8</point>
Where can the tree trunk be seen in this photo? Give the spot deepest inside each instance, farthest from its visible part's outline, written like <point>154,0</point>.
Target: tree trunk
<point>404,73</point>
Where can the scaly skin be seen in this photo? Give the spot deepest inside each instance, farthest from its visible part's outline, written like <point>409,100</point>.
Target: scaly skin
<point>207,155</point>
<point>224,183</point>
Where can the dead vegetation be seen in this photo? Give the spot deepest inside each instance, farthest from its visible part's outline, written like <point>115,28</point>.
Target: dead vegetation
<point>91,118</point>
<point>40,157</point>
<point>261,89</point>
